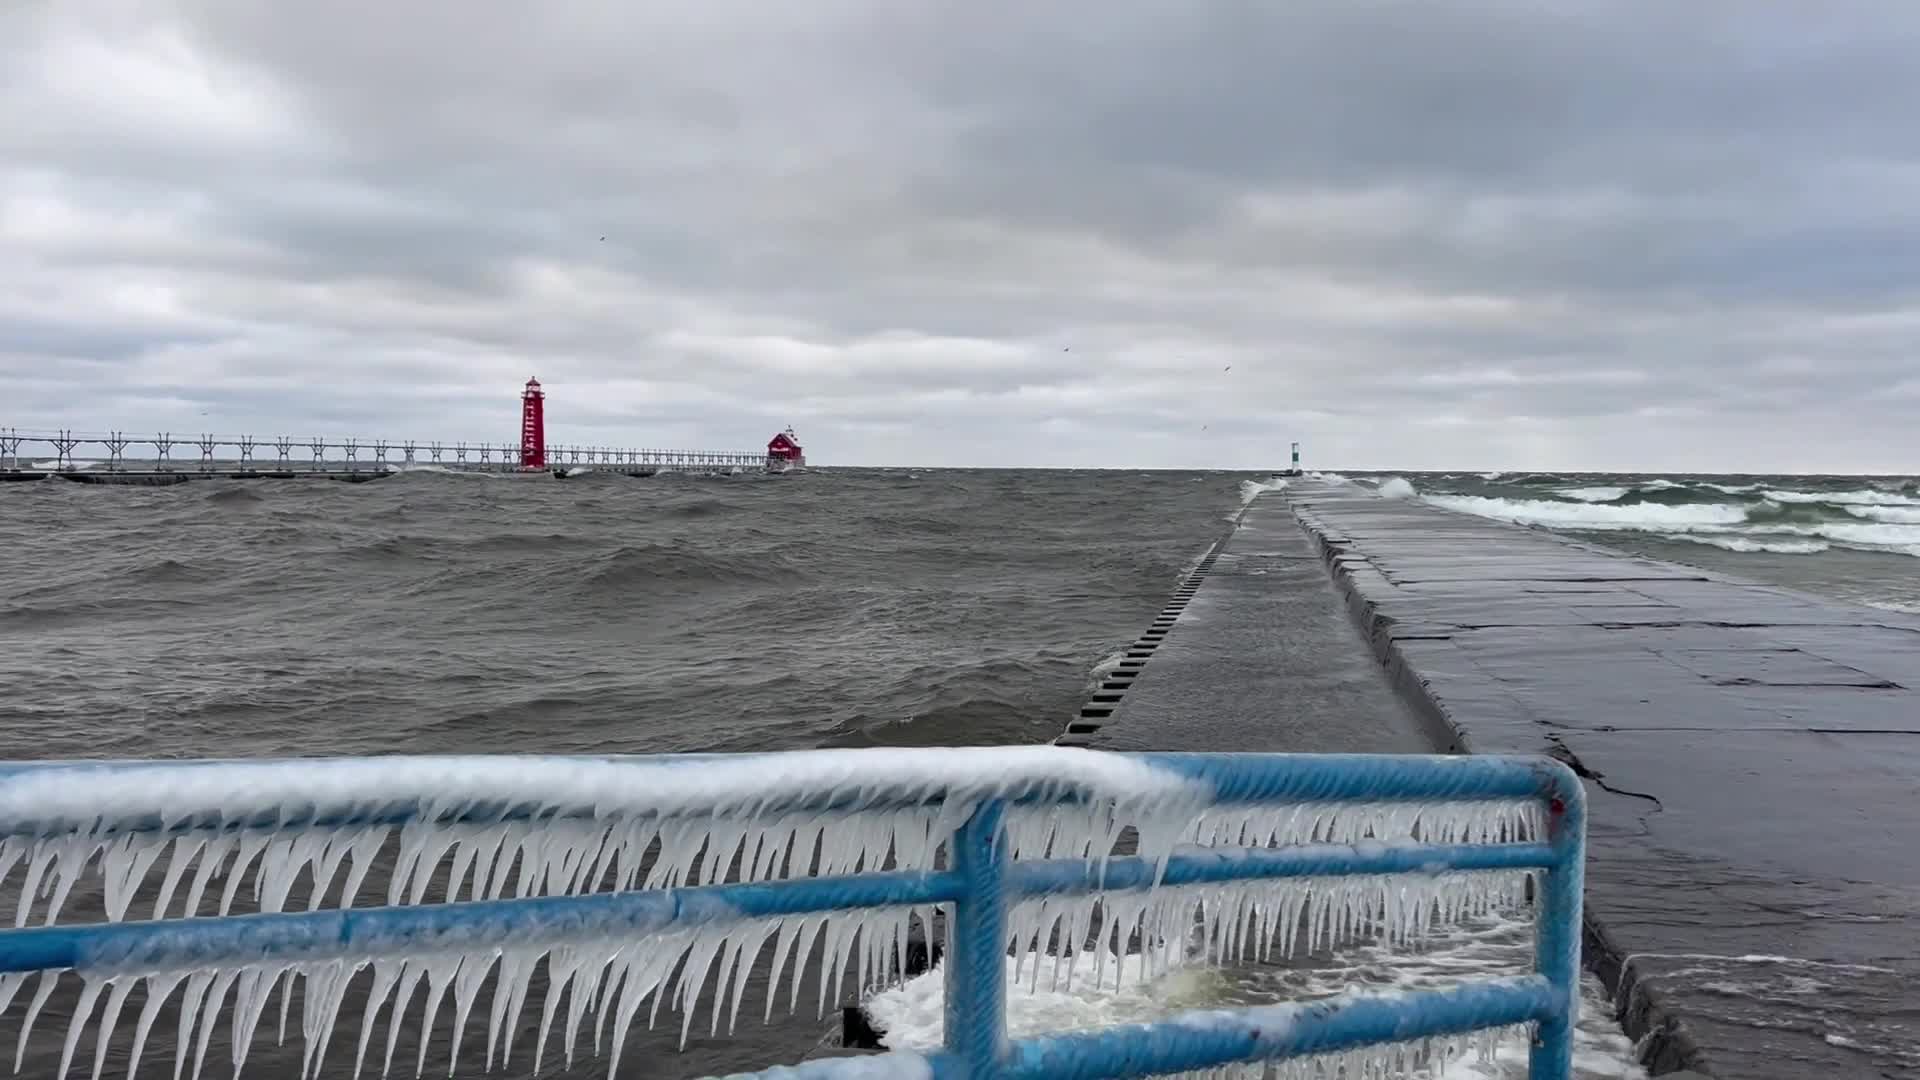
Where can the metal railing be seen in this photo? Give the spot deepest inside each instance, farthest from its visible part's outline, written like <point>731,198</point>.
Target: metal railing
<point>210,453</point>
<point>628,866</point>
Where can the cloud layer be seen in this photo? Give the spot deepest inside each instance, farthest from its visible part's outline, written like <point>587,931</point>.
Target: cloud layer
<point>1501,235</point>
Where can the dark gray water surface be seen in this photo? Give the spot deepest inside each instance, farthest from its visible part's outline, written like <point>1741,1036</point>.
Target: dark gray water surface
<point>435,612</point>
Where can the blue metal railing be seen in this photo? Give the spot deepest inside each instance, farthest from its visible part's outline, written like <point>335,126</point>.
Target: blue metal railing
<point>980,880</point>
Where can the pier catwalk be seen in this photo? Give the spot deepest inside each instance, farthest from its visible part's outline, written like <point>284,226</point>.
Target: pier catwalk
<point>1264,660</point>
<point>1753,753</point>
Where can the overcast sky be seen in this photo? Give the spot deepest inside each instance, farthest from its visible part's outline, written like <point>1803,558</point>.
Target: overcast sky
<point>1499,235</point>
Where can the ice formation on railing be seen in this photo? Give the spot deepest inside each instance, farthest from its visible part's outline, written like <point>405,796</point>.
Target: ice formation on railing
<point>184,840</point>
<point>552,857</point>
<point>1230,921</point>
<point>913,1015</point>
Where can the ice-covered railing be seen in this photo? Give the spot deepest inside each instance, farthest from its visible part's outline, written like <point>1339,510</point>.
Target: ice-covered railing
<point>160,902</point>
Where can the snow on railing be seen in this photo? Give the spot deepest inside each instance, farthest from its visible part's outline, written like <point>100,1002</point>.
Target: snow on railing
<point>598,885</point>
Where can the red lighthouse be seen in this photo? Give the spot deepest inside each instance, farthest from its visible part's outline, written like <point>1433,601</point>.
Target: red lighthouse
<point>784,452</point>
<point>533,427</point>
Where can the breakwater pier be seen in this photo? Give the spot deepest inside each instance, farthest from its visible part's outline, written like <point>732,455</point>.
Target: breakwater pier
<point>119,457</point>
<point>1749,752</point>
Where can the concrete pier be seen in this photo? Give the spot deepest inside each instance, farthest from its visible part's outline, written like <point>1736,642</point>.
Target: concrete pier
<point>1753,754</point>
<point>1262,658</point>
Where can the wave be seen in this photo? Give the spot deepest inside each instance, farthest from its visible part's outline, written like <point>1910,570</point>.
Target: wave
<point>233,496</point>
<point>1586,515</point>
<point>646,567</point>
<point>1896,515</point>
<point>1751,544</point>
<point>1862,497</point>
<point>1595,494</point>
<point>1253,489</point>
<point>1801,523</point>
<point>1396,487</point>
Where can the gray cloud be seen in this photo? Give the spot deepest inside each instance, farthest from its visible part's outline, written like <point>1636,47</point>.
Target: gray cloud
<point>1548,235</point>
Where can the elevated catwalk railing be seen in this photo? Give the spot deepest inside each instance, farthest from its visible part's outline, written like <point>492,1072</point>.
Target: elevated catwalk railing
<point>119,451</point>
<point>607,876</point>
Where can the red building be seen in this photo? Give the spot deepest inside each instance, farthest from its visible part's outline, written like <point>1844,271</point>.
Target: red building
<point>784,452</point>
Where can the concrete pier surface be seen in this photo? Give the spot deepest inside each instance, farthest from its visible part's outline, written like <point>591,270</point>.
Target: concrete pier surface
<point>1753,753</point>
<point>1262,658</point>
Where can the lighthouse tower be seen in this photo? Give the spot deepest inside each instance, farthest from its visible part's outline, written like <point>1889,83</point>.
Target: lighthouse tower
<point>533,426</point>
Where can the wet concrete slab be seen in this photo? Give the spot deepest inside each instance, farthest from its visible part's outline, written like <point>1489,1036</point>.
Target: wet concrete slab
<point>1753,757</point>
<point>1262,658</point>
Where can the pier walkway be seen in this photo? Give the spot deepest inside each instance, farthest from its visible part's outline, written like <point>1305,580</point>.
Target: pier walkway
<point>1262,658</point>
<point>1751,753</point>
<point>125,457</point>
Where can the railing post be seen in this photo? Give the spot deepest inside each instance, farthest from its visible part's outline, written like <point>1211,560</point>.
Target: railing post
<point>1557,933</point>
<point>976,990</point>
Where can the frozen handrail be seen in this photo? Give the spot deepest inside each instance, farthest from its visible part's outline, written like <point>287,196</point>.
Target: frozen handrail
<point>611,874</point>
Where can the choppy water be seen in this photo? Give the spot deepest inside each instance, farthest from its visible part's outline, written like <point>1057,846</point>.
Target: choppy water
<point>434,612</point>
<point>1854,538</point>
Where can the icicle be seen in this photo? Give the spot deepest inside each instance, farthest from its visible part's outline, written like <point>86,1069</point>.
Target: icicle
<point>386,974</point>
<point>252,844</point>
<point>510,997</point>
<point>439,972</point>
<point>563,968</point>
<point>325,992</point>
<point>121,987</point>
<point>210,1015</point>
<point>410,976</point>
<point>10,985</point>
<point>83,1012</point>
<point>12,850</point>
<point>467,980</point>
<point>362,850</point>
<point>40,995</point>
<point>160,987</point>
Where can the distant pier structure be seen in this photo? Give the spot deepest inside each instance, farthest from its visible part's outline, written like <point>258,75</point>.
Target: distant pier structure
<point>122,457</point>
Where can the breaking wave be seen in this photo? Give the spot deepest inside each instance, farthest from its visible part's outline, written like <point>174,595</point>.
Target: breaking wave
<point>1757,517</point>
